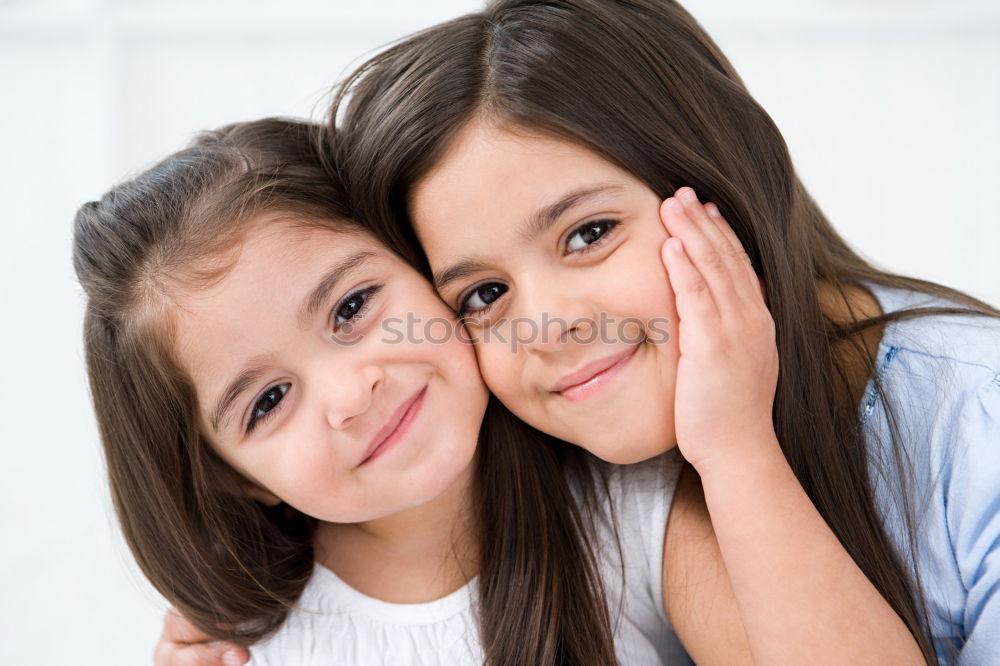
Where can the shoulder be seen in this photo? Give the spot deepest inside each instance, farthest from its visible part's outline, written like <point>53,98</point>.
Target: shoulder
<point>970,343</point>
<point>936,366</point>
<point>941,377</point>
<point>314,614</point>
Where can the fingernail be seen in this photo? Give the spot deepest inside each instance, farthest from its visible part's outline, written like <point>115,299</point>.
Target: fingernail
<point>231,658</point>
<point>688,194</point>
<point>713,210</point>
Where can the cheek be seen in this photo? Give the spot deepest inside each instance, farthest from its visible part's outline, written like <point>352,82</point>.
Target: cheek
<point>501,371</point>
<point>454,358</point>
<point>299,475</point>
<point>640,288</point>
<point>635,282</point>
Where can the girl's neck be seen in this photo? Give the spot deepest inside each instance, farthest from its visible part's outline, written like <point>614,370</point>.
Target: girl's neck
<point>414,556</point>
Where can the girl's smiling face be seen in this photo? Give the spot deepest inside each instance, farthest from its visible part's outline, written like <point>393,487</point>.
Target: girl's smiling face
<point>299,389</point>
<point>552,256</point>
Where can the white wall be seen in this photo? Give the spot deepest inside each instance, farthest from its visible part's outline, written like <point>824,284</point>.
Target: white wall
<point>891,109</point>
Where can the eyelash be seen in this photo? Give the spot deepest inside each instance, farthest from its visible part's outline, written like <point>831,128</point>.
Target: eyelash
<point>367,293</point>
<point>611,226</point>
<point>264,417</point>
<point>463,301</point>
<point>255,420</point>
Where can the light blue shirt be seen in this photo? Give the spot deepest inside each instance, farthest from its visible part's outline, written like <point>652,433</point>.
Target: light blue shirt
<point>942,376</point>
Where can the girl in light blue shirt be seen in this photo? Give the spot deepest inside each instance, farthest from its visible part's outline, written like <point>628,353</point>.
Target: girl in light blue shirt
<point>533,150</point>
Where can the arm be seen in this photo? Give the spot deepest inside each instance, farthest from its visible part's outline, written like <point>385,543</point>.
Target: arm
<point>801,597</point>
<point>799,592</point>
<point>182,644</point>
<point>697,595</point>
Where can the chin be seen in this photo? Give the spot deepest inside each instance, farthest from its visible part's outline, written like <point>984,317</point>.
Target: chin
<point>630,453</point>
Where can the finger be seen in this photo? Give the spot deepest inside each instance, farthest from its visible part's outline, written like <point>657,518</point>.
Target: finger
<point>184,644</point>
<point>699,215</point>
<point>749,285</point>
<point>732,240</point>
<point>234,655</point>
<point>700,248</point>
<point>726,244</point>
<point>694,302</point>
<point>200,654</point>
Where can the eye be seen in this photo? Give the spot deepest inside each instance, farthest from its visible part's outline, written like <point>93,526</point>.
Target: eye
<point>481,298</point>
<point>589,235</point>
<point>354,305</point>
<point>266,404</point>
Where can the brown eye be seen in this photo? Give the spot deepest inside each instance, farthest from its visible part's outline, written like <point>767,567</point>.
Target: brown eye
<point>481,298</point>
<point>588,235</point>
<point>265,403</point>
<point>353,305</point>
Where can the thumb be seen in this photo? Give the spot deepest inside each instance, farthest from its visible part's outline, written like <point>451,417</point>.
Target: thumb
<point>235,655</point>
<point>228,654</point>
<point>215,653</point>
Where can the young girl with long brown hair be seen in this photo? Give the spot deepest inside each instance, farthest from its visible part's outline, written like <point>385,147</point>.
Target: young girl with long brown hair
<point>528,148</point>
<point>268,451</point>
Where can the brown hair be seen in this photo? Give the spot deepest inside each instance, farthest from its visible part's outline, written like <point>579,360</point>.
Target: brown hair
<point>232,565</point>
<point>641,84</point>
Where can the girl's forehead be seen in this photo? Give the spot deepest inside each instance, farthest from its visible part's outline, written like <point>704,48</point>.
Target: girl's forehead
<point>492,182</point>
<point>294,227</point>
<point>270,238</point>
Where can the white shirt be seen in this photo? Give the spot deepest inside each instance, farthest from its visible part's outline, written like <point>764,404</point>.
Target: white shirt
<point>336,624</point>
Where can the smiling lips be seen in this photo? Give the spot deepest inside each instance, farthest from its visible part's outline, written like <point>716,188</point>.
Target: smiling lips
<point>393,431</point>
<point>592,377</point>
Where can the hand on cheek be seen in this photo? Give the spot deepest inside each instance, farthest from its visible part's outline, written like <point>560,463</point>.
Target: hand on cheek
<point>728,366</point>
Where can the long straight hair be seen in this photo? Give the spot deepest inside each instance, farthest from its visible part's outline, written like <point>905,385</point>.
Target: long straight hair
<point>231,565</point>
<point>641,84</point>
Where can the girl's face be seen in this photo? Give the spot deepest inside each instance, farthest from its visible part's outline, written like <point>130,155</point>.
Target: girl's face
<point>306,386</point>
<point>552,254</point>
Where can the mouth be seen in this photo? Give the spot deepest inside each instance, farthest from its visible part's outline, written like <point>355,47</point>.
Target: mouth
<point>592,377</point>
<point>395,430</point>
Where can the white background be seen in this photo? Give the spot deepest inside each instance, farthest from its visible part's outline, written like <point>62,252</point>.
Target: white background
<point>891,109</point>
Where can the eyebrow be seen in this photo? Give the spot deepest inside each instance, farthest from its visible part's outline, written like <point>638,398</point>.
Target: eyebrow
<point>536,224</point>
<point>540,221</point>
<point>310,304</point>
<point>457,272</point>
<point>319,294</point>
<point>247,377</point>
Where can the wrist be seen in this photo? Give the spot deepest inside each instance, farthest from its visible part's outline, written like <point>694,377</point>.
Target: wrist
<point>754,456</point>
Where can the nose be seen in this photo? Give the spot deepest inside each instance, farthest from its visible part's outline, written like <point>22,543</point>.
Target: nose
<point>552,315</point>
<point>345,393</point>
